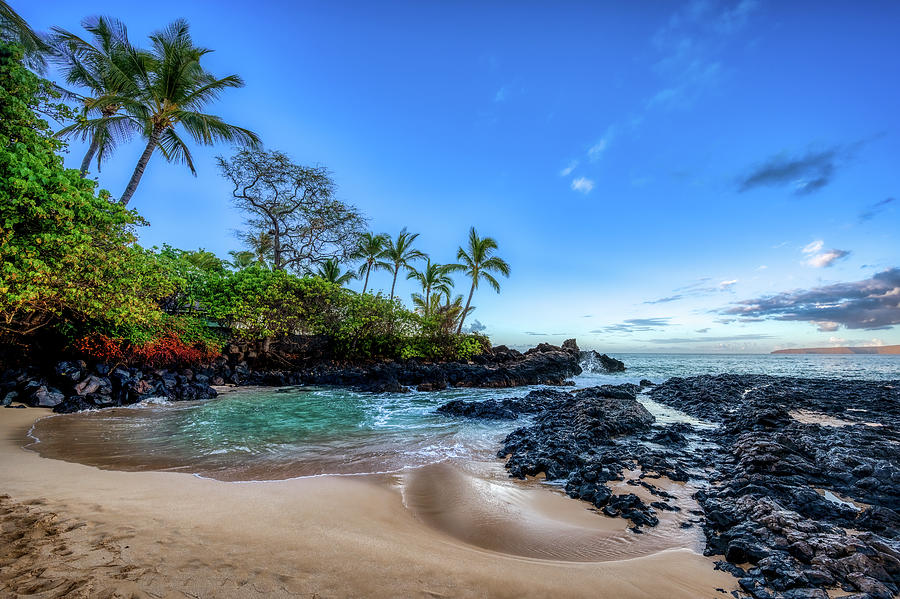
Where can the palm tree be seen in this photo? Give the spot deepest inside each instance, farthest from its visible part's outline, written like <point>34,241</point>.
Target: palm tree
<point>330,270</point>
<point>13,28</point>
<point>369,250</point>
<point>261,244</point>
<point>104,68</point>
<point>204,260</point>
<point>174,88</point>
<point>432,277</point>
<point>241,259</point>
<point>478,262</point>
<point>399,254</point>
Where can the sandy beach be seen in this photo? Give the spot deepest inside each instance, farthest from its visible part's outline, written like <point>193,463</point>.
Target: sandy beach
<point>77,531</point>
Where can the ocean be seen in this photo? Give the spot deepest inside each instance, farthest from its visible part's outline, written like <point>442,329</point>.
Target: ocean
<point>255,434</point>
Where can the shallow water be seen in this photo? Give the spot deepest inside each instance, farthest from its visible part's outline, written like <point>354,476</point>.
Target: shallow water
<point>268,434</point>
<point>272,434</point>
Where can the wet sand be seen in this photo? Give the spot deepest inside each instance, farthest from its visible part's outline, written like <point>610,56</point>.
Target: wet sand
<point>73,530</point>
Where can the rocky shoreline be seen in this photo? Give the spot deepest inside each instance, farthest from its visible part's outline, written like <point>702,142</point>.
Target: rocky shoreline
<point>74,385</point>
<point>799,478</point>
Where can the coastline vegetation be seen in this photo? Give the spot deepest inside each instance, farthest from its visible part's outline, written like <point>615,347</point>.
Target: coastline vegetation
<point>75,279</point>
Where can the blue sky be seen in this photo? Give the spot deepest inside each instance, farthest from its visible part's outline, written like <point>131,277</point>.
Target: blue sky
<point>705,176</point>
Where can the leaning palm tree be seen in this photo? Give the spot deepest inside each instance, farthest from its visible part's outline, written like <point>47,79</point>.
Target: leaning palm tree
<point>369,250</point>
<point>174,89</point>
<point>103,67</point>
<point>478,262</point>
<point>13,28</point>
<point>399,254</point>
<point>434,277</point>
<point>330,270</point>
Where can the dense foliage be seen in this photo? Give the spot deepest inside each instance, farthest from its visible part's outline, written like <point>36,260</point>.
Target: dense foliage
<point>258,303</point>
<point>66,252</point>
<point>72,273</point>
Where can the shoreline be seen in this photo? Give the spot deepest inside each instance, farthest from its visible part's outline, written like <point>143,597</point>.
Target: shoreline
<point>324,535</point>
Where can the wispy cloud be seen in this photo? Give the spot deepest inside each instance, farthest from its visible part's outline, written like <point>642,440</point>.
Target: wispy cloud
<point>726,339</point>
<point>698,288</point>
<point>875,209</point>
<point>635,325</point>
<point>596,150</point>
<point>692,42</point>
<point>805,174</point>
<point>568,170</point>
<point>582,184</point>
<point>533,334</point>
<point>706,330</point>
<point>501,94</point>
<point>871,304</point>
<point>665,300</point>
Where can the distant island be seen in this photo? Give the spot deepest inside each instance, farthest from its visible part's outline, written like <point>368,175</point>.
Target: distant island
<point>884,349</point>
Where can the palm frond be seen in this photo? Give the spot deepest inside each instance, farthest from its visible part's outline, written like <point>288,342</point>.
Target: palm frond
<point>175,150</point>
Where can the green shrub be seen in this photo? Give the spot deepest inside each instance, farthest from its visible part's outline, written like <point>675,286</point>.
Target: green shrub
<point>66,252</point>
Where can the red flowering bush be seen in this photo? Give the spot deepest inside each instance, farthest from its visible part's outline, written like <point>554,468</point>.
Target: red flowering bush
<point>166,351</point>
<point>172,351</point>
<point>97,346</point>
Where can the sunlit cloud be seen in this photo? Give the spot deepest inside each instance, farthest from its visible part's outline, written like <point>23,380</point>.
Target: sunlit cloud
<point>871,304</point>
<point>828,258</point>
<point>813,247</point>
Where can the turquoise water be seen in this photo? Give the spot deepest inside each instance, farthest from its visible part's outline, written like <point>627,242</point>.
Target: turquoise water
<point>266,434</point>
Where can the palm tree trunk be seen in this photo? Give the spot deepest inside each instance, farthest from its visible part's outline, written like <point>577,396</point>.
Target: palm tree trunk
<point>86,163</point>
<point>427,301</point>
<point>366,283</point>
<point>139,169</point>
<point>394,284</point>
<point>462,316</point>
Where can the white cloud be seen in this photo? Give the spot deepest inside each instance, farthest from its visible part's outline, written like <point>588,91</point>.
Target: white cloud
<point>568,170</point>
<point>837,341</point>
<point>814,247</point>
<point>501,94</point>
<point>826,259</point>
<point>596,151</point>
<point>874,343</point>
<point>727,284</point>
<point>582,184</point>
<point>762,267</point>
<point>827,326</point>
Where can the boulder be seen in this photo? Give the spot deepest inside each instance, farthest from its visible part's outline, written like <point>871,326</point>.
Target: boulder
<point>47,397</point>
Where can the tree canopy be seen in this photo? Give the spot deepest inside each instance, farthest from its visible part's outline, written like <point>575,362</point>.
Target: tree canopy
<point>294,207</point>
